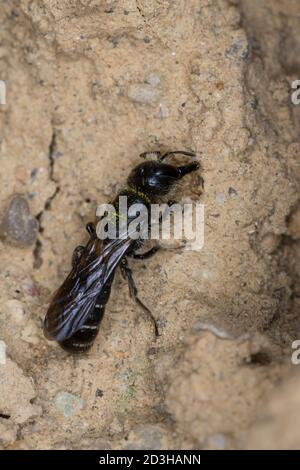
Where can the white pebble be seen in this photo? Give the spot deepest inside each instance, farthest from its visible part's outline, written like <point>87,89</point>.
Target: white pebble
<point>153,79</point>
<point>143,94</point>
<point>220,198</point>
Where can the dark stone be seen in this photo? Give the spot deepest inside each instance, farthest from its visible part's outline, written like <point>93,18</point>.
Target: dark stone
<point>18,225</point>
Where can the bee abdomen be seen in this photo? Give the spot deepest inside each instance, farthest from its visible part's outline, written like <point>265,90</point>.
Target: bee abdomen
<point>84,338</point>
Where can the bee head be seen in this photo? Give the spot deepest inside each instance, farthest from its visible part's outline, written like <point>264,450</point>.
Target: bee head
<point>155,178</point>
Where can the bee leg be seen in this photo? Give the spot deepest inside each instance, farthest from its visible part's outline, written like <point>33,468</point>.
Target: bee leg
<point>148,254</point>
<point>155,154</point>
<point>127,275</point>
<point>177,152</point>
<point>91,229</point>
<point>76,255</point>
<point>186,169</point>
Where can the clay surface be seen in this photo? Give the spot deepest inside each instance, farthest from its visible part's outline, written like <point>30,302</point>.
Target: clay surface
<point>89,86</point>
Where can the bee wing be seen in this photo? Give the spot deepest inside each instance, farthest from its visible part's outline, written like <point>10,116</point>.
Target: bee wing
<point>76,298</point>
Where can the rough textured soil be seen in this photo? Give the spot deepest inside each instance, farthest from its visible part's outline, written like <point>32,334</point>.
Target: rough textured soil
<point>90,85</point>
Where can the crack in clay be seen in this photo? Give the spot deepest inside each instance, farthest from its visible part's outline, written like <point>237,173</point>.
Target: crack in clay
<point>37,251</point>
<point>52,148</point>
<point>146,23</point>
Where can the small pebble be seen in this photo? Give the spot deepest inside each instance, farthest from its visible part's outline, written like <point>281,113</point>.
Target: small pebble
<point>232,192</point>
<point>146,437</point>
<point>220,198</point>
<point>239,49</point>
<point>21,174</point>
<point>217,441</point>
<point>33,173</point>
<point>18,224</point>
<point>68,404</point>
<point>153,79</point>
<point>143,93</point>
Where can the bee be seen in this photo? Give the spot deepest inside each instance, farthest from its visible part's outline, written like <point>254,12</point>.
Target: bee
<point>74,316</point>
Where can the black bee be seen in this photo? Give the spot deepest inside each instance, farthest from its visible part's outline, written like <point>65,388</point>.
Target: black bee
<point>75,313</point>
